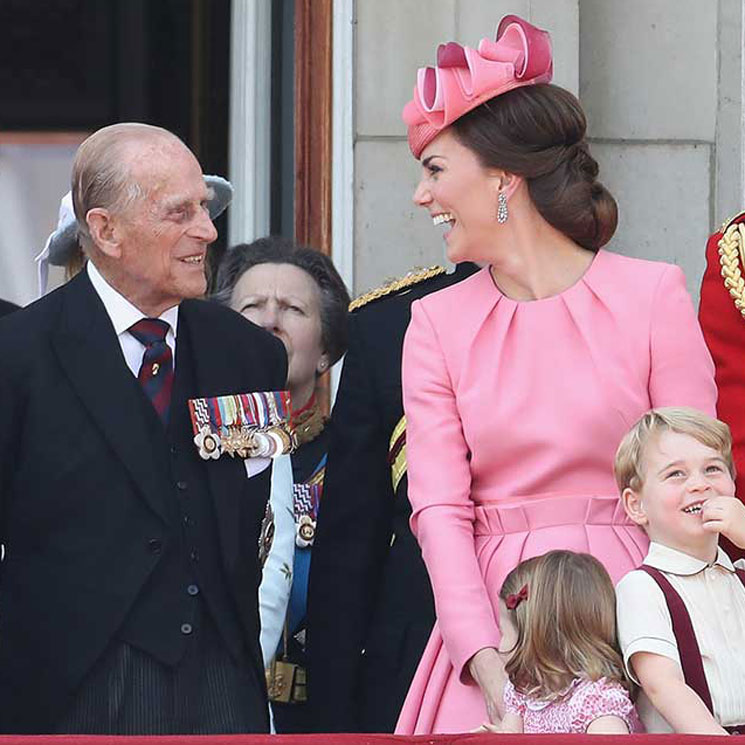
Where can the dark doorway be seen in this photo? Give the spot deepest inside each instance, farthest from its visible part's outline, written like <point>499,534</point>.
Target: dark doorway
<point>77,65</point>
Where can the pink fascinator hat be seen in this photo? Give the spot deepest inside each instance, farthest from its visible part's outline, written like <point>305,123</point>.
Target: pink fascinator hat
<point>464,78</point>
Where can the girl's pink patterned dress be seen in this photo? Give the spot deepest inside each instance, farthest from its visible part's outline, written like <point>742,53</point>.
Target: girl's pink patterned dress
<point>584,701</point>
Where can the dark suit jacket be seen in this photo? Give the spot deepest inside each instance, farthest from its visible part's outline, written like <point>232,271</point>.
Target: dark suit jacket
<point>7,307</point>
<point>82,511</point>
<point>370,607</point>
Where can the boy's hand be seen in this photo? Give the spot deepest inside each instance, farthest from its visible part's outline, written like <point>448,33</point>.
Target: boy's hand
<point>725,515</point>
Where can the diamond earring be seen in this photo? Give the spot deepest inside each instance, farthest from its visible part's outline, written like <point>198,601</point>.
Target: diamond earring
<point>501,208</point>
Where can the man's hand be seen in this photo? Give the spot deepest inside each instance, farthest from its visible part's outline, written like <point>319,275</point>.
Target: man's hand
<point>487,670</point>
<point>725,515</point>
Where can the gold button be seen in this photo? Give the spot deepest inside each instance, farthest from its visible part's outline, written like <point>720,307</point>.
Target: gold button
<point>155,368</point>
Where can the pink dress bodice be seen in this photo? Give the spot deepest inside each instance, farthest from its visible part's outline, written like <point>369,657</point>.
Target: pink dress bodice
<point>544,390</point>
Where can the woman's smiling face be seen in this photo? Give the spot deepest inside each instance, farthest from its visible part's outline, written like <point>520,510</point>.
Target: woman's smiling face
<point>459,192</point>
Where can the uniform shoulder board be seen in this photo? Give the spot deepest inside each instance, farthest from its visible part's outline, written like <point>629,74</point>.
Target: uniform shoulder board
<point>731,247</point>
<point>414,277</point>
<point>736,218</point>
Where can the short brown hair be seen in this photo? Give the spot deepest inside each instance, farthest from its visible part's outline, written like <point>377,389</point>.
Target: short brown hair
<point>629,461</point>
<point>100,176</point>
<point>566,628</point>
<point>538,132</point>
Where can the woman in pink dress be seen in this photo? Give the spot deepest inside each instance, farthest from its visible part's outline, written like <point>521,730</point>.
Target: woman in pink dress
<point>520,381</point>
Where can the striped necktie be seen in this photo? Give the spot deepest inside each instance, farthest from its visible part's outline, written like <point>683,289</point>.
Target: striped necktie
<point>156,370</point>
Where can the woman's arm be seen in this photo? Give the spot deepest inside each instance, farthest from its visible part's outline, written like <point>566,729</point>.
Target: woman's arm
<point>663,682</point>
<point>681,369</point>
<point>440,493</point>
<point>487,669</point>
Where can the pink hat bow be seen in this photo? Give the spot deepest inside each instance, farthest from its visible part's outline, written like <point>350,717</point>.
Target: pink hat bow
<point>464,77</point>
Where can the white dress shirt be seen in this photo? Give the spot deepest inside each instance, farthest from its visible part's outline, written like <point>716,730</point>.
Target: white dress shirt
<point>715,600</point>
<point>124,315</point>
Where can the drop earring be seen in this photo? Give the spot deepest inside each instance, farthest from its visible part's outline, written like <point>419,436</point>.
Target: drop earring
<point>501,208</point>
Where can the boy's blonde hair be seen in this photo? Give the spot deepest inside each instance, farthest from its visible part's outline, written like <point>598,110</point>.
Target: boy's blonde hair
<point>566,627</point>
<point>629,462</point>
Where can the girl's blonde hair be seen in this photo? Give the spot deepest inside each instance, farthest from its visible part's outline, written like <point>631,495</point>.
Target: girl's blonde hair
<point>629,462</point>
<point>566,627</point>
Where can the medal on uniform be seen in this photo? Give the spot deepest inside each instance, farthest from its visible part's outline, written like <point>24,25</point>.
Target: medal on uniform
<point>266,536</point>
<point>247,425</point>
<point>306,497</point>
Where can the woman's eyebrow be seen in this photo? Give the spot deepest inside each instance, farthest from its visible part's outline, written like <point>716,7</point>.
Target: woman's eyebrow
<point>429,159</point>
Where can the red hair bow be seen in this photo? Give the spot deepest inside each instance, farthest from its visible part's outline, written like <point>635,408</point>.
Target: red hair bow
<point>513,600</point>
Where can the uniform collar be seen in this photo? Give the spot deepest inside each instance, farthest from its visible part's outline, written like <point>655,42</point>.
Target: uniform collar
<point>671,560</point>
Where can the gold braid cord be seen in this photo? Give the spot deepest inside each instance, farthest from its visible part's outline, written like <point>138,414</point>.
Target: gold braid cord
<point>731,257</point>
<point>397,285</point>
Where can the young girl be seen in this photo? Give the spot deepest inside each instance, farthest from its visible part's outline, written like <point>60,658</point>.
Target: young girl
<point>566,674</point>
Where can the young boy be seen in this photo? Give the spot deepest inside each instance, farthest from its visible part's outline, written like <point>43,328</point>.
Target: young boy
<point>681,617</point>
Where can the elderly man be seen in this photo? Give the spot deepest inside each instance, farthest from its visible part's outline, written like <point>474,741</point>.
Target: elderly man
<point>128,585</point>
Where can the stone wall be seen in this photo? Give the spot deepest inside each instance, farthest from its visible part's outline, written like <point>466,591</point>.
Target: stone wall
<point>661,83</point>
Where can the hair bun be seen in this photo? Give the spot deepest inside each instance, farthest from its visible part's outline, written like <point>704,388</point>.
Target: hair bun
<point>583,161</point>
<point>538,132</point>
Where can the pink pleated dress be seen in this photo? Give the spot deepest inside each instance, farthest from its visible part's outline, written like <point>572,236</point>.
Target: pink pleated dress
<point>514,412</point>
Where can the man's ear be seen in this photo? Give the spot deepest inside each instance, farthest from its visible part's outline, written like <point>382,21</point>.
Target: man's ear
<point>632,503</point>
<point>104,231</point>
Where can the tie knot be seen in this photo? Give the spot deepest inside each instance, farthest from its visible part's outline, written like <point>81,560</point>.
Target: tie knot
<point>148,331</point>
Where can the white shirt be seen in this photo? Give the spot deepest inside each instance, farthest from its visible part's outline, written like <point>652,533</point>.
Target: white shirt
<point>715,600</point>
<point>123,315</point>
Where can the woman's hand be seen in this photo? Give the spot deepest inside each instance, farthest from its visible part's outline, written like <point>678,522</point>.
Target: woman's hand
<point>511,723</point>
<point>487,669</point>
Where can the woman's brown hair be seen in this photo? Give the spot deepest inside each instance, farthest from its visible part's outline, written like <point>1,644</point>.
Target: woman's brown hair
<point>566,628</point>
<point>538,132</point>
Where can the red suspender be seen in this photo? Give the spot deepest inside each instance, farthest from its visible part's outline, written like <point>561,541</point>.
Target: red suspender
<point>690,655</point>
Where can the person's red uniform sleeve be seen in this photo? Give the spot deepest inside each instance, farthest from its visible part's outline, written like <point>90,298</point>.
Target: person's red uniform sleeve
<point>724,331</point>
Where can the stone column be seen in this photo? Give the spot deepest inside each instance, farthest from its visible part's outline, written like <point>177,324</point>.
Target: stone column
<point>250,119</point>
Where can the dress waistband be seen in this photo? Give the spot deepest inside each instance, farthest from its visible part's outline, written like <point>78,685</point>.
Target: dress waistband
<point>525,514</point>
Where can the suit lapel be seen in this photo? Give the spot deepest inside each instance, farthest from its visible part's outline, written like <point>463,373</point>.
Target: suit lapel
<point>91,357</point>
<point>205,350</point>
